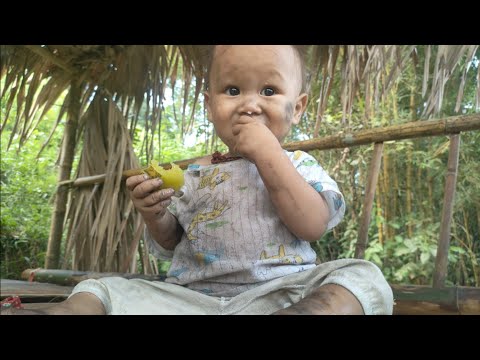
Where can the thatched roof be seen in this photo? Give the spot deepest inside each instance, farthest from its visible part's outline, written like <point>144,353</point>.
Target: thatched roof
<point>35,75</point>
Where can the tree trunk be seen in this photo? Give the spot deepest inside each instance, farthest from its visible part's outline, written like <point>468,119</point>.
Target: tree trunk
<point>396,190</point>
<point>470,249</point>
<point>430,194</point>
<point>420,191</point>
<point>379,216</point>
<point>441,261</point>
<point>386,195</point>
<point>66,160</point>
<point>413,115</point>
<point>409,193</point>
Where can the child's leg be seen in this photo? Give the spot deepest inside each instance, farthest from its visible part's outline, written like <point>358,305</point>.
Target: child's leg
<point>345,286</point>
<point>79,304</point>
<point>328,299</point>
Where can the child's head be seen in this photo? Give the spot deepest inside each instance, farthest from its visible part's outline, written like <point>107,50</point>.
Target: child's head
<point>265,82</point>
<point>299,52</point>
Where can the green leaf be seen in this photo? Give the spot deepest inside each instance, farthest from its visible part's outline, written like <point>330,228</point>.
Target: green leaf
<point>424,257</point>
<point>394,225</point>
<point>402,251</point>
<point>457,250</point>
<point>376,259</point>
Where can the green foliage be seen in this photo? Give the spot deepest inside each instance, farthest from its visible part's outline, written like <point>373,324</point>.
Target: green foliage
<point>27,186</point>
<point>404,258</point>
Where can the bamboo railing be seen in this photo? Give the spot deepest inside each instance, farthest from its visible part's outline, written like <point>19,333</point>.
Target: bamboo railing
<point>452,126</point>
<point>415,129</point>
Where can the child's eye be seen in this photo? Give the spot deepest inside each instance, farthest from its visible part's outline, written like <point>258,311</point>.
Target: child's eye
<point>232,91</point>
<point>268,92</point>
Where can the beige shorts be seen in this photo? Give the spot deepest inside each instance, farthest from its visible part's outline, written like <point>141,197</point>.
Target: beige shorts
<point>142,297</point>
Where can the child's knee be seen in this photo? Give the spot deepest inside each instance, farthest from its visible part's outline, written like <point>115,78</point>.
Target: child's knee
<point>83,303</point>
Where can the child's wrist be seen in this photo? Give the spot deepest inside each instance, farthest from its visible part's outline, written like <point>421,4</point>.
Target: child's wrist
<point>154,219</point>
<point>266,154</point>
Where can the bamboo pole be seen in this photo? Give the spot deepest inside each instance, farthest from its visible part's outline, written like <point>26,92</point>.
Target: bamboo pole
<point>378,202</point>
<point>72,277</point>
<point>49,56</point>
<point>386,196</point>
<point>66,160</point>
<point>424,300</point>
<point>414,129</point>
<point>100,179</point>
<point>368,201</point>
<point>408,191</point>
<point>441,261</point>
<point>410,130</point>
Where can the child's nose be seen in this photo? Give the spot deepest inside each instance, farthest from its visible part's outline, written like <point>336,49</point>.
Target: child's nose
<point>250,106</point>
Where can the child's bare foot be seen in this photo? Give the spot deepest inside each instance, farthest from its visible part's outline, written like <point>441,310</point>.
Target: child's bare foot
<point>79,304</point>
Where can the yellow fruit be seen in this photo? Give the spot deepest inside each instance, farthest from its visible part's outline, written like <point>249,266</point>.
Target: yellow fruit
<point>172,178</point>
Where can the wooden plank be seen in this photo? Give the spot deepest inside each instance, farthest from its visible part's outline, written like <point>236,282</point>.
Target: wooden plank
<point>426,300</point>
<point>37,306</point>
<point>469,301</point>
<point>409,299</point>
<point>405,307</point>
<point>33,291</point>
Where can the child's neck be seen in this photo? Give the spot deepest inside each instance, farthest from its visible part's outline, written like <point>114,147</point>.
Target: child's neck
<point>219,158</point>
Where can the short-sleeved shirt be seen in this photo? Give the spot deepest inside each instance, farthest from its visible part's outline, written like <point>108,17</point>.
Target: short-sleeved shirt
<point>233,238</point>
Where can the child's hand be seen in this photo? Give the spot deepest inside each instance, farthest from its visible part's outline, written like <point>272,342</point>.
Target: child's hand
<point>253,139</point>
<point>147,199</point>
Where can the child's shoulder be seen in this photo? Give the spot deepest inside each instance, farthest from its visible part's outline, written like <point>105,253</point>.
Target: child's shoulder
<point>299,155</point>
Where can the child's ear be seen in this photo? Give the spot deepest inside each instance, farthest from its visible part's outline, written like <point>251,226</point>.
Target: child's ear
<point>206,97</point>
<point>300,106</point>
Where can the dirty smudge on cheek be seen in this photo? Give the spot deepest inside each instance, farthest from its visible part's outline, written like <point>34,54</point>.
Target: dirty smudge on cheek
<point>288,113</point>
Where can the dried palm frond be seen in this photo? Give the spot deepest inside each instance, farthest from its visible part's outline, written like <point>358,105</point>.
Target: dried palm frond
<point>448,58</point>
<point>35,76</point>
<point>103,219</point>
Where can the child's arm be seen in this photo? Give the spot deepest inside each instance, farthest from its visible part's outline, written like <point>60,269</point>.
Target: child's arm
<point>301,208</point>
<point>151,204</point>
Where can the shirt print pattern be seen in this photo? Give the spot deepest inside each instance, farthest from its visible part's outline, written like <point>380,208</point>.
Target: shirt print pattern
<point>233,238</point>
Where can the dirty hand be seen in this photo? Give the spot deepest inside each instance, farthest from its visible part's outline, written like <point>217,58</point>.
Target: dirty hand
<point>253,138</point>
<point>146,196</point>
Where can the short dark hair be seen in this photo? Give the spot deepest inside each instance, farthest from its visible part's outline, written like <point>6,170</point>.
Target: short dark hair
<point>300,50</point>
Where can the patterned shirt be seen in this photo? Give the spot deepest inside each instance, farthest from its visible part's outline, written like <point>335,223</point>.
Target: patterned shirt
<point>233,238</point>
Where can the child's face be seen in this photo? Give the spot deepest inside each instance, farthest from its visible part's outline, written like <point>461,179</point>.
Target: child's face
<point>261,81</point>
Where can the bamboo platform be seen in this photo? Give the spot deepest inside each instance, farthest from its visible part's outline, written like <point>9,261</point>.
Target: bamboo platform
<point>34,292</point>
<point>409,300</point>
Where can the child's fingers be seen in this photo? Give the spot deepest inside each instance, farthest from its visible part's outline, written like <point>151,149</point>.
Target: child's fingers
<point>158,197</point>
<point>160,207</point>
<point>146,187</point>
<point>133,181</point>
